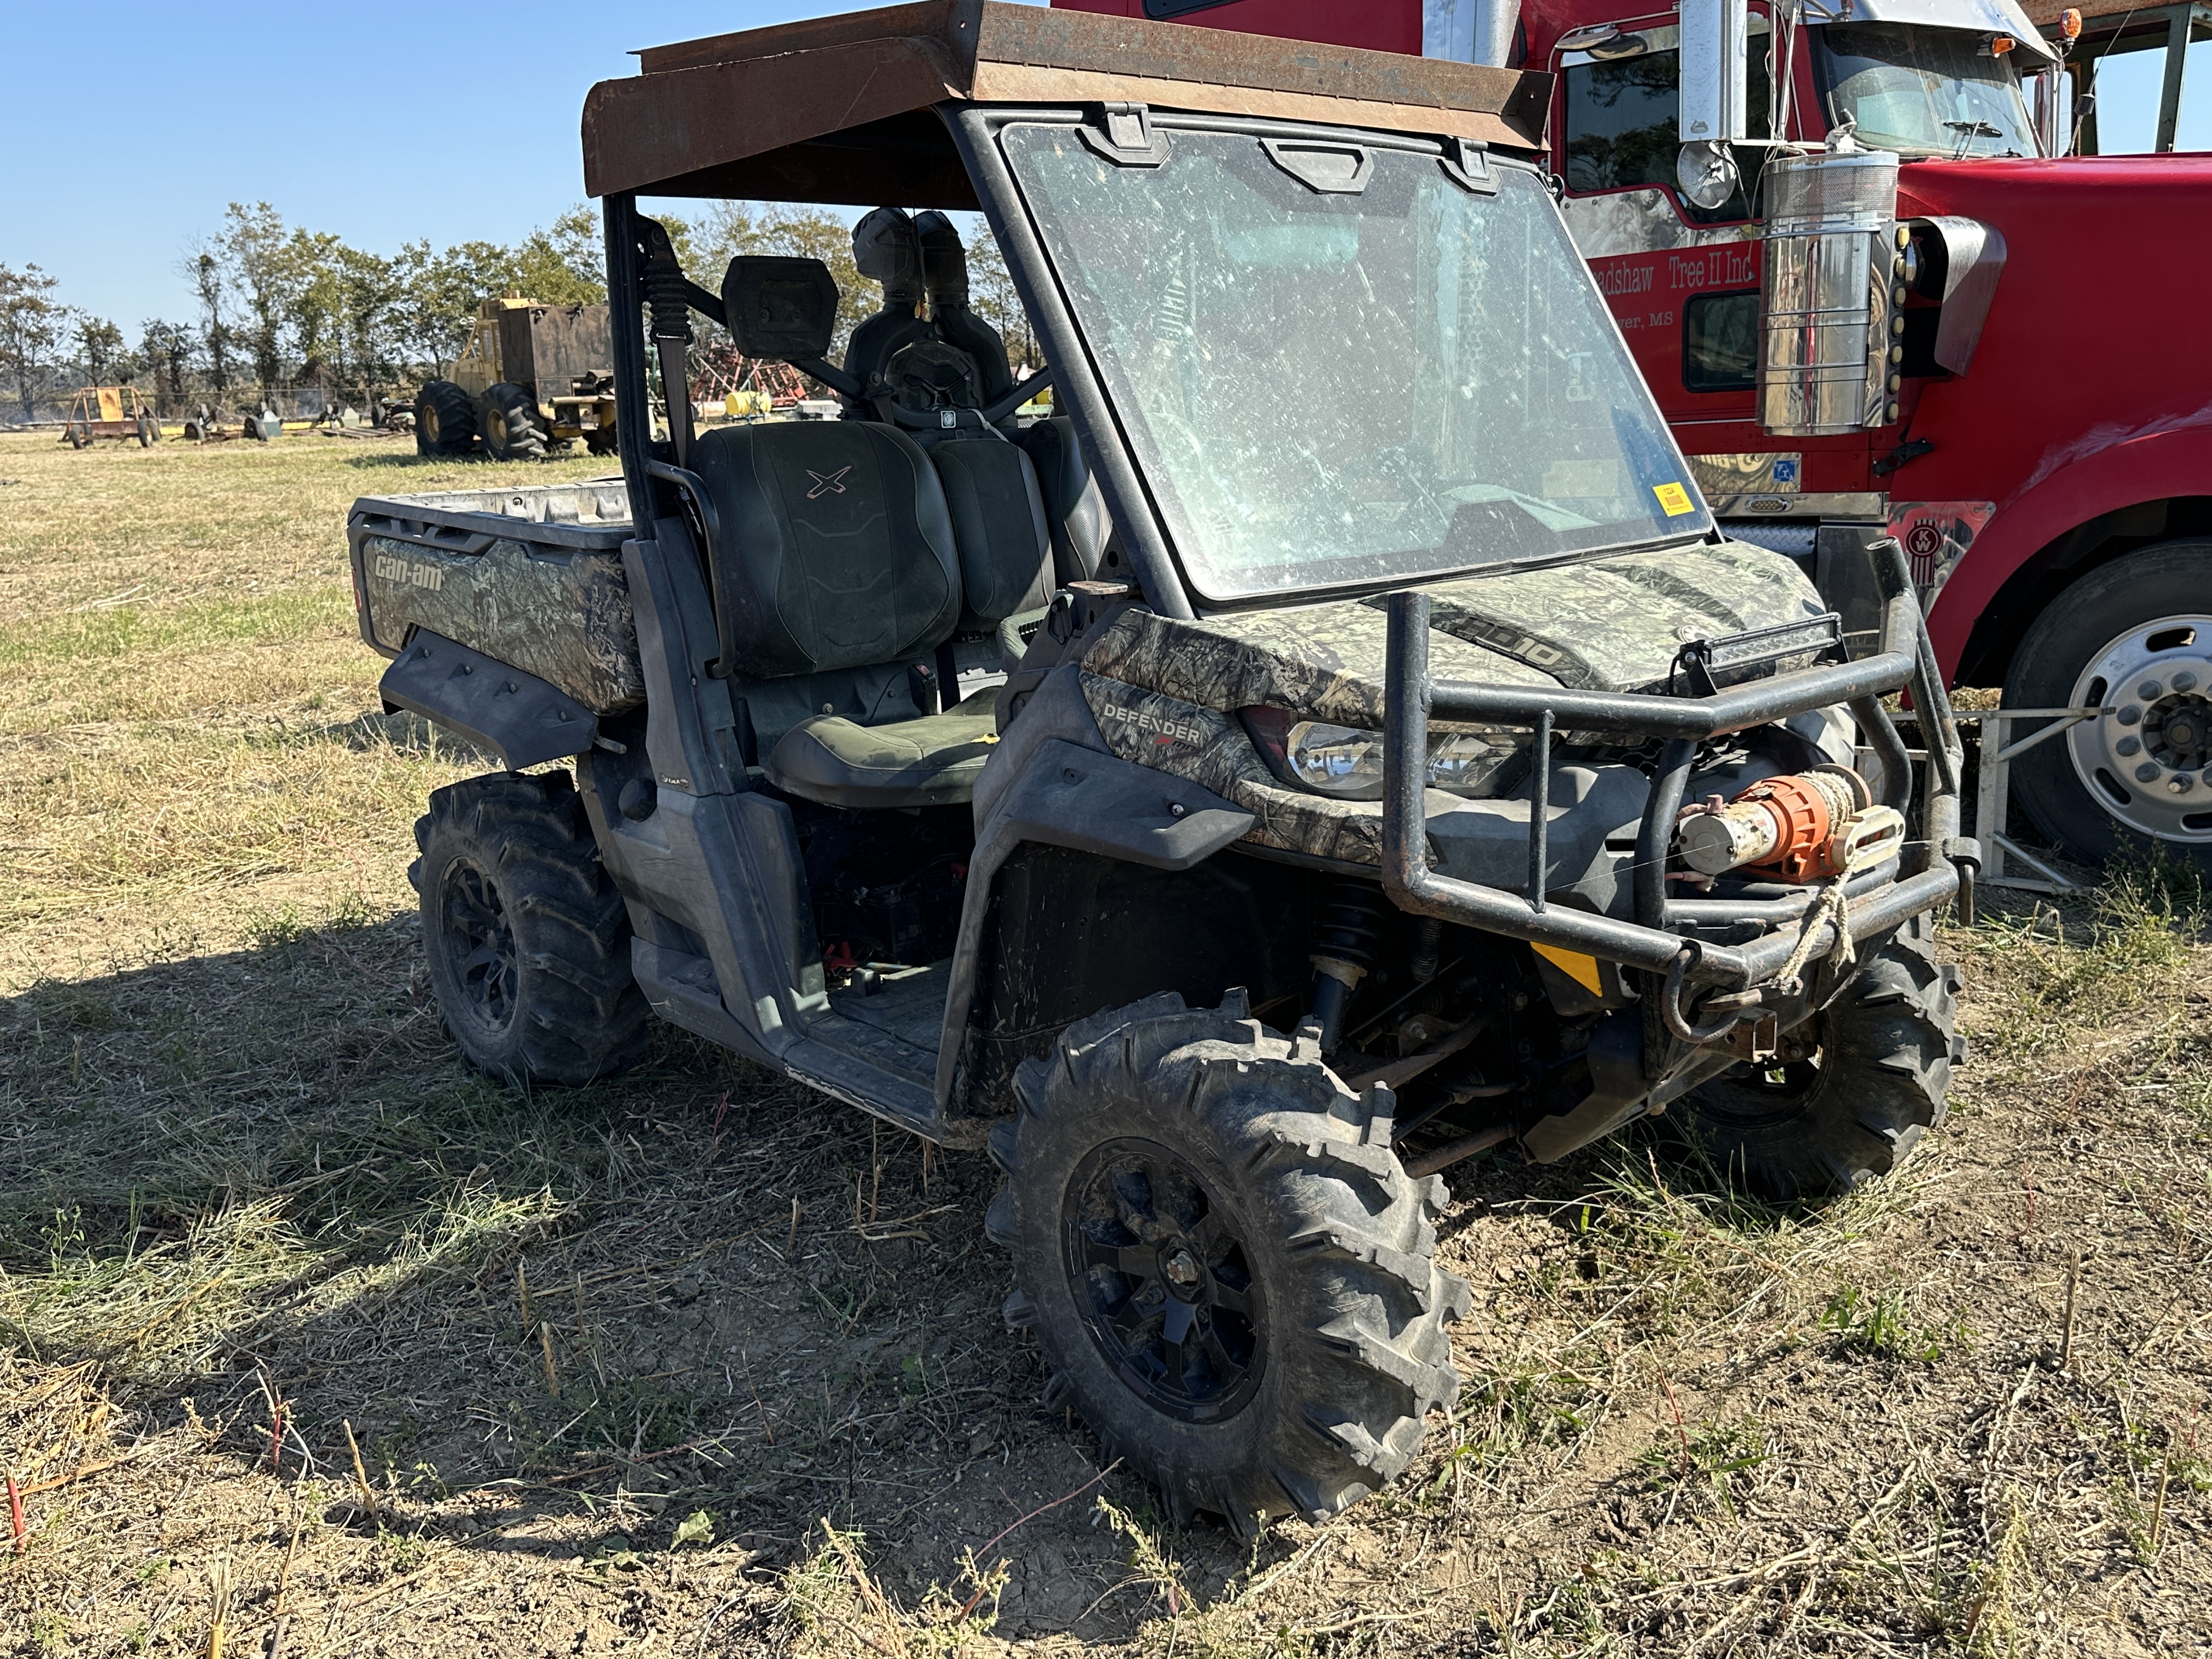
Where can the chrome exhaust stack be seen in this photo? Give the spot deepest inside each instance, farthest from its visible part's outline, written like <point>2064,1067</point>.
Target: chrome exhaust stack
<point>1831,346</point>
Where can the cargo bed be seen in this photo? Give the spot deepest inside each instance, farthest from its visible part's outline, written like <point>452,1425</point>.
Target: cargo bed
<point>531,576</point>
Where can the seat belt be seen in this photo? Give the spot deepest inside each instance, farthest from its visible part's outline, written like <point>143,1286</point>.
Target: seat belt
<point>668,293</point>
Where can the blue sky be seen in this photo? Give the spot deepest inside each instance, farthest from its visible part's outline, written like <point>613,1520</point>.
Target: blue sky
<point>381,123</point>
<point>2128,86</point>
<point>387,122</point>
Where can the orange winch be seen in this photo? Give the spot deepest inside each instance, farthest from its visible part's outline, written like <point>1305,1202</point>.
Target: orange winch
<point>1805,826</point>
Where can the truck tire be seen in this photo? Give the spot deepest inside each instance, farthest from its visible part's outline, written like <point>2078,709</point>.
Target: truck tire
<point>528,940</point>
<point>444,420</point>
<point>507,417</point>
<point>148,430</point>
<point>2134,635</point>
<point>1232,1276</point>
<point>1812,1128</point>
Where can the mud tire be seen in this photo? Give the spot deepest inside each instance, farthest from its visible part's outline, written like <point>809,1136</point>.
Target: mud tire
<point>444,420</point>
<point>1878,1085</point>
<point>508,420</point>
<point>527,940</point>
<point>1334,1242</point>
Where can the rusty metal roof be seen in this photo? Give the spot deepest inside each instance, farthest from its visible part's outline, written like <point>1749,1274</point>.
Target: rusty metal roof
<point>837,109</point>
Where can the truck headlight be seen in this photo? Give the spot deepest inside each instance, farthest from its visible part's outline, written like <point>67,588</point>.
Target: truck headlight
<point>1346,761</point>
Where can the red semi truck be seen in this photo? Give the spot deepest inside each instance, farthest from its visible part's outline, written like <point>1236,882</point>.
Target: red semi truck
<point>1877,293</point>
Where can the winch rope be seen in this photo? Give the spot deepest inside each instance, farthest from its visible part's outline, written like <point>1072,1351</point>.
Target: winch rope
<point>1829,907</point>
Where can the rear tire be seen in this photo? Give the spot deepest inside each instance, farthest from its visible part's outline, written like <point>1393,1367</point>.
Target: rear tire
<point>1231,1275</point>
<point>528,940</point>
<point>1856,1111</point>
<point>509,419</point>
<point>148,430</point>
<point>444,420</point>
<point>2143,620</point>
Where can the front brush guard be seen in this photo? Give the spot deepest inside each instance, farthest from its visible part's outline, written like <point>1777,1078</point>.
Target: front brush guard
<point>1659,941</point>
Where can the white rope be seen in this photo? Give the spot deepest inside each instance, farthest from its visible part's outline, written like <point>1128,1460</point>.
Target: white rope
<point>1829,907</point>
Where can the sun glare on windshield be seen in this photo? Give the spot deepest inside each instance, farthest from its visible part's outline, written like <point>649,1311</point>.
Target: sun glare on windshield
<point>1923,91</point>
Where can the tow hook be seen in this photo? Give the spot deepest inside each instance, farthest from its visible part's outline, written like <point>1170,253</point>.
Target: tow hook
<point>1757,1034</point>
<point>1752,1030</point>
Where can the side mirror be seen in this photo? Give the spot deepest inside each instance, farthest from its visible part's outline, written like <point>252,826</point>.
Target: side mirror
<point>780,307</point>
<point>1711,67</point>
<point>1707,173</point>
<point>1711,111</point>
<point>1469,31</point>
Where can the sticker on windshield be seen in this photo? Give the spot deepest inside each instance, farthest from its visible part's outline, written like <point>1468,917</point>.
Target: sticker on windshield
<point>1674,499</point>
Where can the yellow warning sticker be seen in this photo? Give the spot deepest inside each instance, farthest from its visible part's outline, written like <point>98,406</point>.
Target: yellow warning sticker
<point>1574,965</point>
<point>1674,499</point>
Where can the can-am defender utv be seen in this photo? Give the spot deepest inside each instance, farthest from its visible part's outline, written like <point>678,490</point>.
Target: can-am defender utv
<point>1391,760</point>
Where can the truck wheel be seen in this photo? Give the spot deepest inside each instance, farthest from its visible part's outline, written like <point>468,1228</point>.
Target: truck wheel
<point>1859,1104</point>
<point>148,430</point>
<point>509,419</point>
<point>2134,636</point>
<point>1231,1274</point>
<point>528,940</point>
<point>444,420</point>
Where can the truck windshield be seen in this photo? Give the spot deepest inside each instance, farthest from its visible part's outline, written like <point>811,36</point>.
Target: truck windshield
<point>1922,91</point>
<point>1331,387</point>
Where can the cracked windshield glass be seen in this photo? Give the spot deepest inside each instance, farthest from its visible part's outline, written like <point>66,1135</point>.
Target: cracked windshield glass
<point>1401,380</point>
<point>1924,91</point>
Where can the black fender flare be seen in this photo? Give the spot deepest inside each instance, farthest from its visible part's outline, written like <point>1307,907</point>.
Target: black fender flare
<point>1057,786</point>
<point>493,705</point>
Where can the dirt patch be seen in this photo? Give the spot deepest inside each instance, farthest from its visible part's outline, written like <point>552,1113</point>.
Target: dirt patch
<point>704,1356</point>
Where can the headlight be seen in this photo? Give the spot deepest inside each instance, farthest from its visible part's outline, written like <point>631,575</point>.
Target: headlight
<point>1336,760</point>
<point>1346,762</point>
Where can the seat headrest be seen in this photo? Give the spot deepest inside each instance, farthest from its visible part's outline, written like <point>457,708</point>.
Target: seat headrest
<point>885,250</point>
<point>780,307</point>
<point>944,261</point>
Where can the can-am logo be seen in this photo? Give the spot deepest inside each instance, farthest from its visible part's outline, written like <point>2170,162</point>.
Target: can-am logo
<point>405,572</point>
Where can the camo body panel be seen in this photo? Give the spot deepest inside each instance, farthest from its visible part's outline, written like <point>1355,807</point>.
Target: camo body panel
<point>566,619</point>
<point>1609,624</point>
<point>1616,624</point>
<point>1210,748</point>
<point>1324,660</point>
<point>1164,691</point>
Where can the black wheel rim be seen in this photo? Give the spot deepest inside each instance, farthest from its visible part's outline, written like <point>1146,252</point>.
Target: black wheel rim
<point>1755,1095</point>
<point>479,946</point>
<point>1161,1280</point>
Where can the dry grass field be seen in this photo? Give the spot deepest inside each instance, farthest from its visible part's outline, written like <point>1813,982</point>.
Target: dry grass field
<point>312,1343</point>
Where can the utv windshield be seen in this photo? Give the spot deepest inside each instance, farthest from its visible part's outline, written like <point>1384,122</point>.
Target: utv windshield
<point>1401,380</point>
<point>1922,91</point>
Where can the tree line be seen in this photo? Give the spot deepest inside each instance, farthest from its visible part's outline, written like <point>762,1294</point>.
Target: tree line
<point>279,305</point>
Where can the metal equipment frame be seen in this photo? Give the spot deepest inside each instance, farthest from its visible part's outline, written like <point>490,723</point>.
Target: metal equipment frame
<point>1668,935</point>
